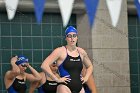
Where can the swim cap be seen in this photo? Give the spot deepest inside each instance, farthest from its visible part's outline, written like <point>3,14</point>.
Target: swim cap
<point>21,59</point>
<point>70,29</point>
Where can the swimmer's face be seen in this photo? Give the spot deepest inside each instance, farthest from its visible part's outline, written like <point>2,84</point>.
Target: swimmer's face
<point>23,67</point>
<point>71,38</point>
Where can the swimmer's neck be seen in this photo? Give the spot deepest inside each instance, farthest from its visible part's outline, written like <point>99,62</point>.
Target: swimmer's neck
<point>71,48</point>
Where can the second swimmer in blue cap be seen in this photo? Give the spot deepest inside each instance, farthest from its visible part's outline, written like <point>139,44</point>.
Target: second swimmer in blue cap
<point>15,79</point>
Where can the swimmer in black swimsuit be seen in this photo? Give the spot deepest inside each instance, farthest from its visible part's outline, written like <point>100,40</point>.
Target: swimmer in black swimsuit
<point>46,84</point>
<point>70,60</point>
<point>15,79</point>
<point>72,67</point>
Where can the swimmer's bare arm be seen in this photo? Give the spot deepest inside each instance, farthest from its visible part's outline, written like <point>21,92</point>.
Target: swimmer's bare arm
<point>48,61</point>
<point>33,86</point>
<point>11,74</point>
<point>55,55</point>
<point>35,76</point>
<point>88,65</point>
<point>91,84</point>
<point>36,84</point>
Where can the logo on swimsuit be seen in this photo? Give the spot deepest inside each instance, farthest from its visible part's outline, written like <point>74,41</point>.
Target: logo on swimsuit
<point>21,82</point>
<point>52,84</point>
<point>74,59</point>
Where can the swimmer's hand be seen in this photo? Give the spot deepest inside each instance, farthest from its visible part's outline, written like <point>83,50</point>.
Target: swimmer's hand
<point>84,79</point>
<point>13,60</point>
<point>64,79</point>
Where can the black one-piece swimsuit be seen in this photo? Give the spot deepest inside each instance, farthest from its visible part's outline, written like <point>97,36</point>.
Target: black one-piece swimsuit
<point>72,67</point>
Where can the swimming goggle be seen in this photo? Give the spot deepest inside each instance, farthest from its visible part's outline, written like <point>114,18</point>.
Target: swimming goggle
<point>24,65</point>
<point>71,35</point>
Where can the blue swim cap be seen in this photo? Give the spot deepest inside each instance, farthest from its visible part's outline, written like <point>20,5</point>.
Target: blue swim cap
<point>21,59</point>
<point>70,29</point>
